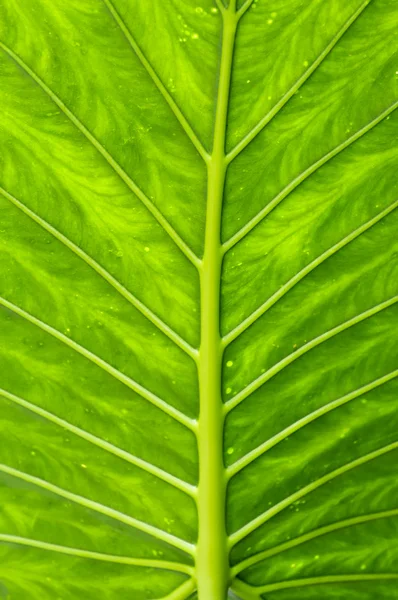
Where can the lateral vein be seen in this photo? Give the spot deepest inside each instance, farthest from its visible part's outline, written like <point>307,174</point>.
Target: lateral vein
<point>177,483</point>
<point>102,509</point>
<point>220,5</point>
<point>295,583</point>
<point>155,212</point>
<point>127,381</point>
<point>315,533</point>
<point>183,592</point>
<point>133,300</point>
<point>111,558</point>
<point>251,456</point>
<point>261,310</point>
<point>257,522</point>
<point>285,362</point>
<point>244,590</point>
<point>157,81</point>
<point>297,85</point>
<point>245,7</point>
<point>297,181</point>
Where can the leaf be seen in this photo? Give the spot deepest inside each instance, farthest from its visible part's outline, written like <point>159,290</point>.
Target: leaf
<point>198,300</point>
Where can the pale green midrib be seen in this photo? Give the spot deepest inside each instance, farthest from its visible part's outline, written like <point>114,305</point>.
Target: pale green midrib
<point>290,358</point>
<point>151,207</point>
<point>157,81</point>
<point>108,277</point>
<point>88,554</point>
<point>297,181</point>
<point>99,362</point>
<point>151,530</point>
<point>261,310</point>
<point>251,456</point>
<point>257,522</point>
<point>150,468</point>
<point>315,533</point>
<point>249,137</point>
<point>212,560</point>
<point>322,580</point>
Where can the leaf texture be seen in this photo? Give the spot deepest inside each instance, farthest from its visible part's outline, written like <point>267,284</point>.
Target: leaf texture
<point>198,300</point>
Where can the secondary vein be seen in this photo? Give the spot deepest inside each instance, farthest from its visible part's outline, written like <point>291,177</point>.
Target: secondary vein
<point>285,362</point>
<point>111,558</point>
<point>155,212</point>
<point>133,300</point>
<point>315,533</point>
<point>251,456</point>
<point>253,525</point>
<point>245,7</point>
<point>297,181</point>
<point>107,446</point>
<point>127,381</point>
<point>261,310</point>
<point>297,85</point>
<point>183,592</point>
<point>157,81</point>
<point>331,579</point>
<point>102,509</point>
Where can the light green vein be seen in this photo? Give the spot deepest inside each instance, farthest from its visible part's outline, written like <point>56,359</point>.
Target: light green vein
<point>301,423</point>
<point>297,85</point>
<point>122,560</point>
<point>220,5</point>
<point>185,249</point>
<point>315,533</point>
<point>327,579</point>
<point>253,525</point>
<point>183,592</point>
<point>240,14</point>
<point>155,532</point>
<point>177,483</point>
<point>237,331</point>
<point>244,591</point>
<point>157,81</point>
<point>127,381</point>
<point>151,316</point>
<point>302,177</point>
<point>285,362</point>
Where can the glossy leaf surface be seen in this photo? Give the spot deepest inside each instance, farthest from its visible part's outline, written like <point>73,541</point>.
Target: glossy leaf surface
<point>198,320</point>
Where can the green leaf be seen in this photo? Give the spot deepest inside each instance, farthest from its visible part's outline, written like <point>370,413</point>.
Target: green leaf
<point>198,295</point>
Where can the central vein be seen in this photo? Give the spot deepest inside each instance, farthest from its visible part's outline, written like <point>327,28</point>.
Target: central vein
<point>212,552</point>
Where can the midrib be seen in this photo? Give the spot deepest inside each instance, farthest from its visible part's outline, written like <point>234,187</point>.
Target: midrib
<point>212,563</point>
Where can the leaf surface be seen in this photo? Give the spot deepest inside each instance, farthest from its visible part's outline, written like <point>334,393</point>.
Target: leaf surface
<point>198,237</point>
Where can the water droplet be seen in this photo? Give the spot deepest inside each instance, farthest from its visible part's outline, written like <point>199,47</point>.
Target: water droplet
<point>230,451</point>
<point>316,557</point>
<point>214,11</point>
<point>270,21</point>
<point>228,390</point>
<point>306,63</point>
<point>194,36</point>
<point>248,81</point>
<point>199,10</point>
<point>147,249</point>
<point>83,466</point>
<point>230,363</point>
